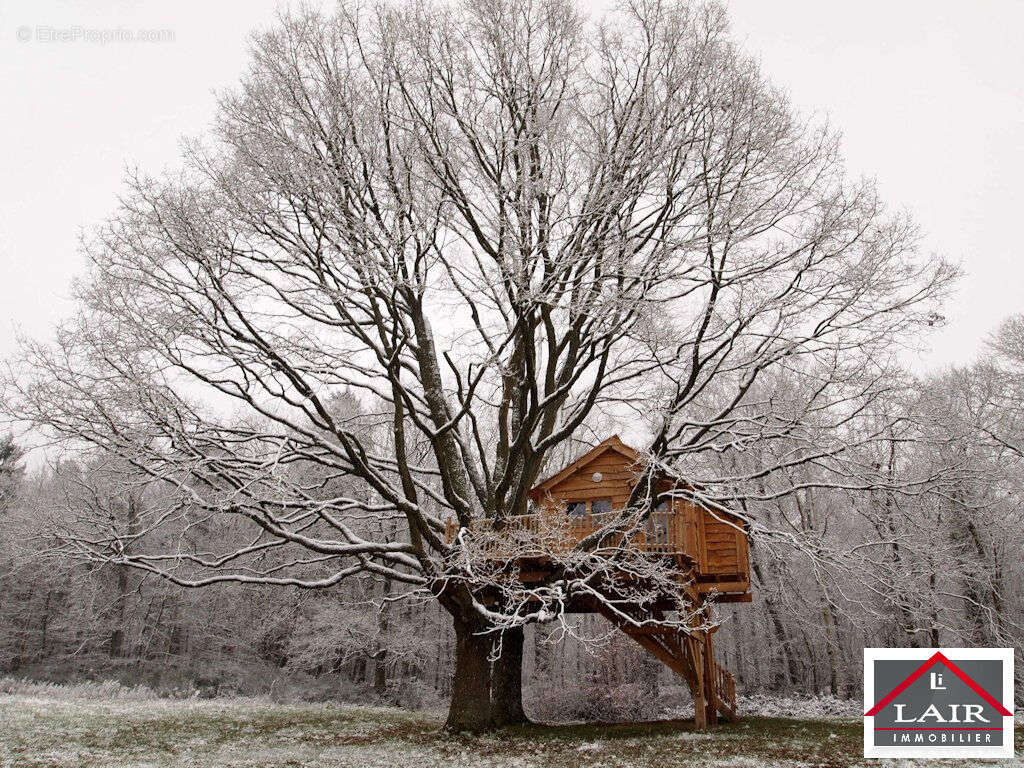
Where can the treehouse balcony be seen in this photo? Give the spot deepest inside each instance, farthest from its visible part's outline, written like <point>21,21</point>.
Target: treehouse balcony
<point>587,496</point>
<point>712,552</point>
<point>555,531</point>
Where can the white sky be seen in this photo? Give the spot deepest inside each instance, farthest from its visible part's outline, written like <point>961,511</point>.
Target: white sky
<point>927,94</point>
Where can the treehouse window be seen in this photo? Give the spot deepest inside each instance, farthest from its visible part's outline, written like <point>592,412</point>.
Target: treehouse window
<point>581,508</point>
<point>657,526</point>
<point>576,508</point>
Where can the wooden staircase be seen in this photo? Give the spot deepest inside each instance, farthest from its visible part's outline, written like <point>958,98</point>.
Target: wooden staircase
<point>691,656</point>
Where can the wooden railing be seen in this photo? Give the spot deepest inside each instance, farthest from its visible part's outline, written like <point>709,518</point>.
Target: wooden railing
<point>662,532</point>
<point>725,688</point>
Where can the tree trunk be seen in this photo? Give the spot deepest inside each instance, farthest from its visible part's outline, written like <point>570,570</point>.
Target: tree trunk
<point>789,663</point>
<point>380,678</point>
<point>117,635</point>
<point>380,681</point>
<point>507,681</point>
<point>45,624</point>
<point>470,708</point>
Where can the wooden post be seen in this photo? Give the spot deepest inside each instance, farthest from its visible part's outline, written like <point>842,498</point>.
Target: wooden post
<point>710,677</point>
<point>698,688</point>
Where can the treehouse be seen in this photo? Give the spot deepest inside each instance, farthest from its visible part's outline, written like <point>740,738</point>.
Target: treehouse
<point>705,551</point>
<point>711,547</point>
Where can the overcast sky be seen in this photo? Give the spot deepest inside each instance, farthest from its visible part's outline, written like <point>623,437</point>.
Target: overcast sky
<point>927,94</point>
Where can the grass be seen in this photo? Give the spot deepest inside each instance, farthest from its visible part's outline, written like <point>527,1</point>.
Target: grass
<point>41,731</point>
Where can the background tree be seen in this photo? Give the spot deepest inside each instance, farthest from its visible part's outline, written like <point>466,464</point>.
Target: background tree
<point>12,471</point>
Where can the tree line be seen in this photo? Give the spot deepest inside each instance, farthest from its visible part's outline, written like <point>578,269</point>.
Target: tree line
<point>928,558</point>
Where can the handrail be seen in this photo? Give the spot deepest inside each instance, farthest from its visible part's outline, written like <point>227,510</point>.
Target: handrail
<point>725,686</point>
<point>662,532</point>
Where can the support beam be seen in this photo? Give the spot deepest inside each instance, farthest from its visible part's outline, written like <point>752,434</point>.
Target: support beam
<point>699,690</point>
<point>692,657</point>
<point>710,678</point>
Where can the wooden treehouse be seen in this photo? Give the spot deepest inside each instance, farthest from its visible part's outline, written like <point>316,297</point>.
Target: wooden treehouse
<point>706,551</point>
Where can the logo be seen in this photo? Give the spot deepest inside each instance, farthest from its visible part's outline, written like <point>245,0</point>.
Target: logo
<point>951,702</point>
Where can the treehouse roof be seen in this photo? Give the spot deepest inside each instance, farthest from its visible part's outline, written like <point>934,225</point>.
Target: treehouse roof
<point>614,444</point>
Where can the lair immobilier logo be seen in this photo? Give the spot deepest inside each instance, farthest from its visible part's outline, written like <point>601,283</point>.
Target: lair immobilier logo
<point>951,702</point>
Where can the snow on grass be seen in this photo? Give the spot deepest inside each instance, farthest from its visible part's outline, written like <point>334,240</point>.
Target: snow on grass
<point>89,689</point>
<point>803,708</point>
<point>67,729</point>
<point>825,708</point>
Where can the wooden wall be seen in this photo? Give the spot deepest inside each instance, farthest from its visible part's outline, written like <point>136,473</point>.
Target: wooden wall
<point>616,483</point>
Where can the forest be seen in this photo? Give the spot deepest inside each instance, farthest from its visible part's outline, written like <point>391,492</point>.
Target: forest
<point>929,557</point>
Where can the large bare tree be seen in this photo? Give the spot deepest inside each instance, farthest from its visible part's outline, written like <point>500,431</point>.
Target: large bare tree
<point>494,223</point>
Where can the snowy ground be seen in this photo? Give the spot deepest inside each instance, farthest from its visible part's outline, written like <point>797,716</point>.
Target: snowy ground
<point>54,729</point>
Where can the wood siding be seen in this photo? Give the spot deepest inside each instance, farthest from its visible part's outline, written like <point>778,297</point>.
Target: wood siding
<point>715,541</point>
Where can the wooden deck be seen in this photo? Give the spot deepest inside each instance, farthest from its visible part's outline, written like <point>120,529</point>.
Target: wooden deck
<point>713,552</point>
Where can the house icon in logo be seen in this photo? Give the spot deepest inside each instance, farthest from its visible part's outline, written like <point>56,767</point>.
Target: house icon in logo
<point>938,658</point>
<point>935,706</point>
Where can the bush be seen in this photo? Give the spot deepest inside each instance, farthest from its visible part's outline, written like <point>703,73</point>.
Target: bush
<point>88,689</point>
<point>594,702</point>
